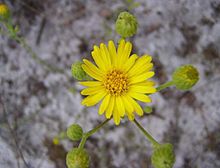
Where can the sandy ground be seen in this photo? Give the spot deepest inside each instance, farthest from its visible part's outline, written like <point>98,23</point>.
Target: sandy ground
<point>40,104</point>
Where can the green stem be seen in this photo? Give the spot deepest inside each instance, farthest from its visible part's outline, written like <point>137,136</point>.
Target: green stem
<point>89,133</point>
<point>149,137</point>
<point>165,85</point>
<point>13,34</point>
<point>36,58</point>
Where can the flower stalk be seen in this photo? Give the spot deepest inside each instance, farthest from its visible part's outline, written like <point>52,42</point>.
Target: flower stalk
<point>148,135</point>
<point>12,32</point>
<point>89,133</point>
<point>35,57</point>
<point>164,86</point>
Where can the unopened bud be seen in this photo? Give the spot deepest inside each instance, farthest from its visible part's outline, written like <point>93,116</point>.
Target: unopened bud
<point>185,77</point>
<point>78,72</point>
<point>126,24</point>
<point>74,132</point>
<point>163,156</point>
<point>148,109</point>
<point>77,158</point>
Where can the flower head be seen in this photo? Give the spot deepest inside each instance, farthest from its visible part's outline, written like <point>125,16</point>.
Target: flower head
<point>119,80</point>
<point>185,77</point>
<point>163,156</point>
<point>4,11</point>
<point>77,158</point>
<point>126,24</point>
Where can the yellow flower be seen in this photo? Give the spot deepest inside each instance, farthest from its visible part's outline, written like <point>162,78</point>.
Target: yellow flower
<point>120,80</point>
<point>4,11</point>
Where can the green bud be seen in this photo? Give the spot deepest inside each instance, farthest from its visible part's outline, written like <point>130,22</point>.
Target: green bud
<point>78,72</point>
<point>4,12</point>
<point>185,77</point>
<point>163,156</point>
<point>148,109</point>
<point>77,158</point>
<point>126,24</point>
<point>74,132</point>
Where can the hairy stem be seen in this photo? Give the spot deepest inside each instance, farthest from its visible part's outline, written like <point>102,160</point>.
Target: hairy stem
<point>149,137</point>
<point>36,58</point>
<point>89,133</point>
<point>12,33</point>
<point>164,86</point>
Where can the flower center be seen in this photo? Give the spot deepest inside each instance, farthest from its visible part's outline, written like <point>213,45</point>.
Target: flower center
<point>116,82</point>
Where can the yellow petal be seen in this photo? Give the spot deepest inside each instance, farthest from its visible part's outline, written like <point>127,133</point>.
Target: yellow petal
<point>148,58</point>
<point>104,104</point>
<point>92,66</point>
<point>140,96</point>
<point>128,108</point>
<point>130,62</point>
<point>141,77</point>
<point>136,106</point>
<point>120,106</point>
<point>112,51</point>
<point>120,52</point>
<point>142,89</point>
<point>92,90</point>
<point>141,62</point>
<point>92,73</point>
<point>110,107</point>
<point>146,83</point>
<point>121,47</point>
<point>96,55</point>
<point>93,99</point>
<point>140,70</point>
<point>116,117</point>
<point>125,54</point>
<point>130,116</point>
<point>105,54</point>
<point>90,83</point>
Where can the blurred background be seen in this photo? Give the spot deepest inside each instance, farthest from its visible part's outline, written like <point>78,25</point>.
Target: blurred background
<point>38,104</point>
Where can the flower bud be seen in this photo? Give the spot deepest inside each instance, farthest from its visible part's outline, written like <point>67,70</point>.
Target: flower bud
<point>185,77</point>
<point>163,156</point>
<point>74,132</point>
<point>126,24</point>
<point>78,72</point>
<point>4,12</point>
<point>77,158</point>
<point>148,109</point>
